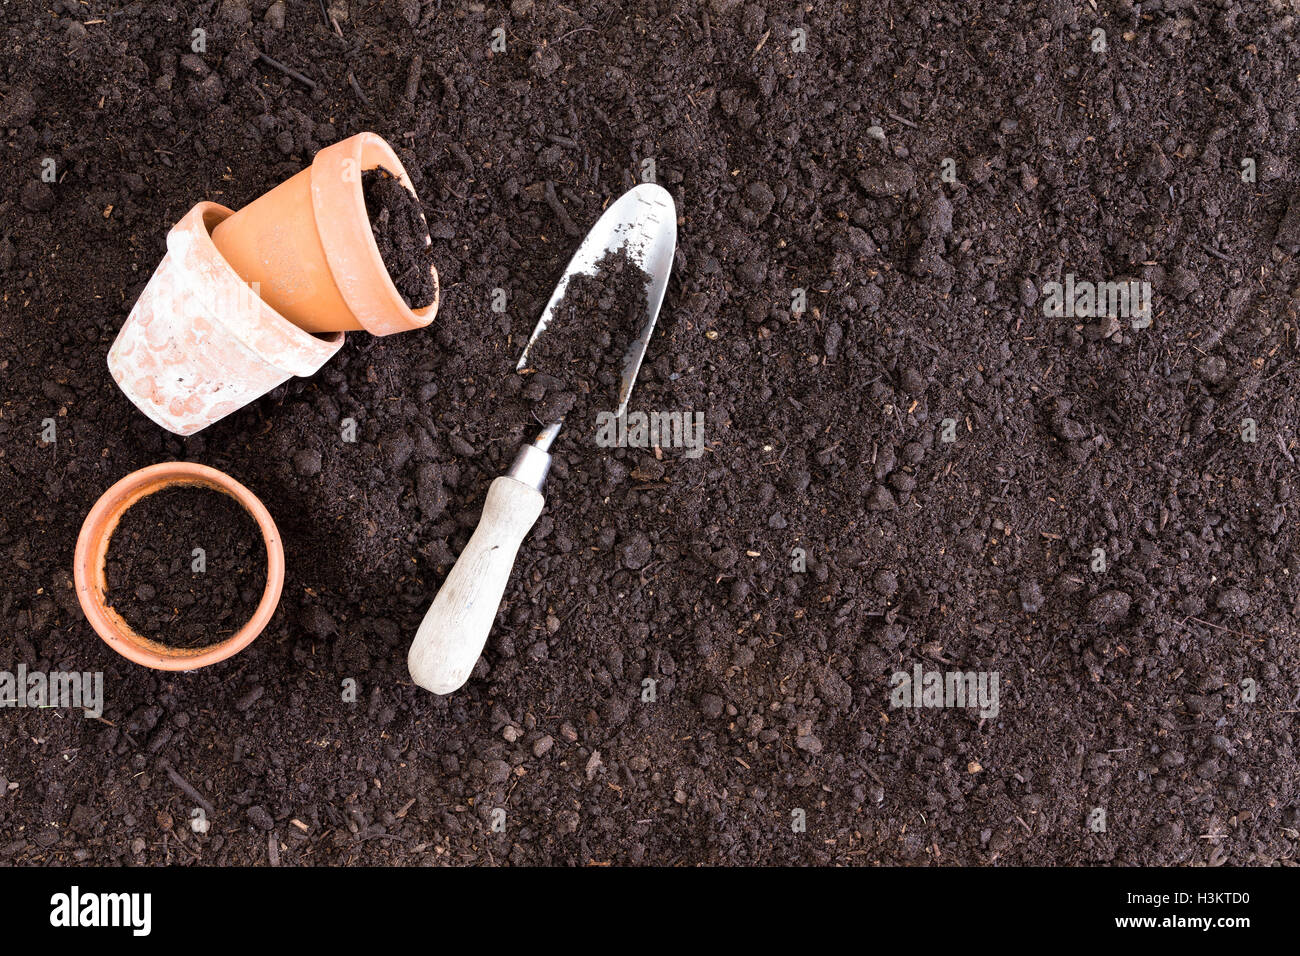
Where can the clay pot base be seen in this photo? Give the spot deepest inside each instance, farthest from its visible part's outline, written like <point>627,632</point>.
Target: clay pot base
<point>92,550</point>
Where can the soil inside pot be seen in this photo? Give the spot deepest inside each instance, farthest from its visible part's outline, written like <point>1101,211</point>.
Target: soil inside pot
<point>579,359</point>
<point>402,236</point>
<point>167,590</point>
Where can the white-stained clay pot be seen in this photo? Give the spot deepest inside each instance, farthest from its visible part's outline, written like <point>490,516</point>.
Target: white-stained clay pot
<point>200,342</point>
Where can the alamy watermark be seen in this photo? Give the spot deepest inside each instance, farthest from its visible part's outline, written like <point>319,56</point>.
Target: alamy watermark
<point>56,689</point>
<point>1130,299</point>
<point>922,688</point>
<point>133,911</point>
<point>652,430</point>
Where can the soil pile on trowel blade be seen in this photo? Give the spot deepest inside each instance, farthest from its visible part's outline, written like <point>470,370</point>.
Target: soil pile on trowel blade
<point>578,359</point>
<point>401,234</point>
<point>165,590</point>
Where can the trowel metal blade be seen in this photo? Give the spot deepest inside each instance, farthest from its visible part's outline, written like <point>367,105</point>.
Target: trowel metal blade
<point>643,221</point>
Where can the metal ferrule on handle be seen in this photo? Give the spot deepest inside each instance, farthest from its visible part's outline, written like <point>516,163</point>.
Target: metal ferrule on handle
<point>533,463</point>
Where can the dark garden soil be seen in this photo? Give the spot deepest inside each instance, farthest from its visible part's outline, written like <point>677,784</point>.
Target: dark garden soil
<point>578,359</point>
<point>153,580</point>
<point>822,171</point>
<point>401,235</point>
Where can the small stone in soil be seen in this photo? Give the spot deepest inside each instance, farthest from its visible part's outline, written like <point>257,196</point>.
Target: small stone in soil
<point>1109,607</point>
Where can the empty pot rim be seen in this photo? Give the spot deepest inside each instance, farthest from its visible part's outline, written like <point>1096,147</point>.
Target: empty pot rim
<point>92,550</point>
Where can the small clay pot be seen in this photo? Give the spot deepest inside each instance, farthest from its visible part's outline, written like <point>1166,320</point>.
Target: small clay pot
<point>244,300</point>
<point>308,248</point>
<point>92,549</point>
<point>200,343</point>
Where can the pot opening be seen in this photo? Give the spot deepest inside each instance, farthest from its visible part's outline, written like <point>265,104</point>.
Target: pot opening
<point>401,234</point>
<point>185,564</point>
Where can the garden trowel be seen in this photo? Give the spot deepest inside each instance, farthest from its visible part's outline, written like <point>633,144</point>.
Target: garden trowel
<point>643,223</point>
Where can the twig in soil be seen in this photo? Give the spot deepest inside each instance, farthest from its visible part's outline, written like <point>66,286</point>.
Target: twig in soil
<point>287,71</point>
<point>1284,368</point>
<point>356,88</point>
<point>188,789</point>
<point>572,32</point>
<point>1215,252</point>
<point>900,119</point>
<point>1286,451</point>
<point>184,846</point>
<point>561,213</point>
<point>1217,627</point>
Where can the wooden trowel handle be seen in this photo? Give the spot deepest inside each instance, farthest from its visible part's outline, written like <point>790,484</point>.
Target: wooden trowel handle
<point>452,635</point>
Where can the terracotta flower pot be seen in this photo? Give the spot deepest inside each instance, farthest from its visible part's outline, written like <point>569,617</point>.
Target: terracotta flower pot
<point>200,343</point>
<point>244,300</point>
<point>308,247</point>
<point>92,549</point>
